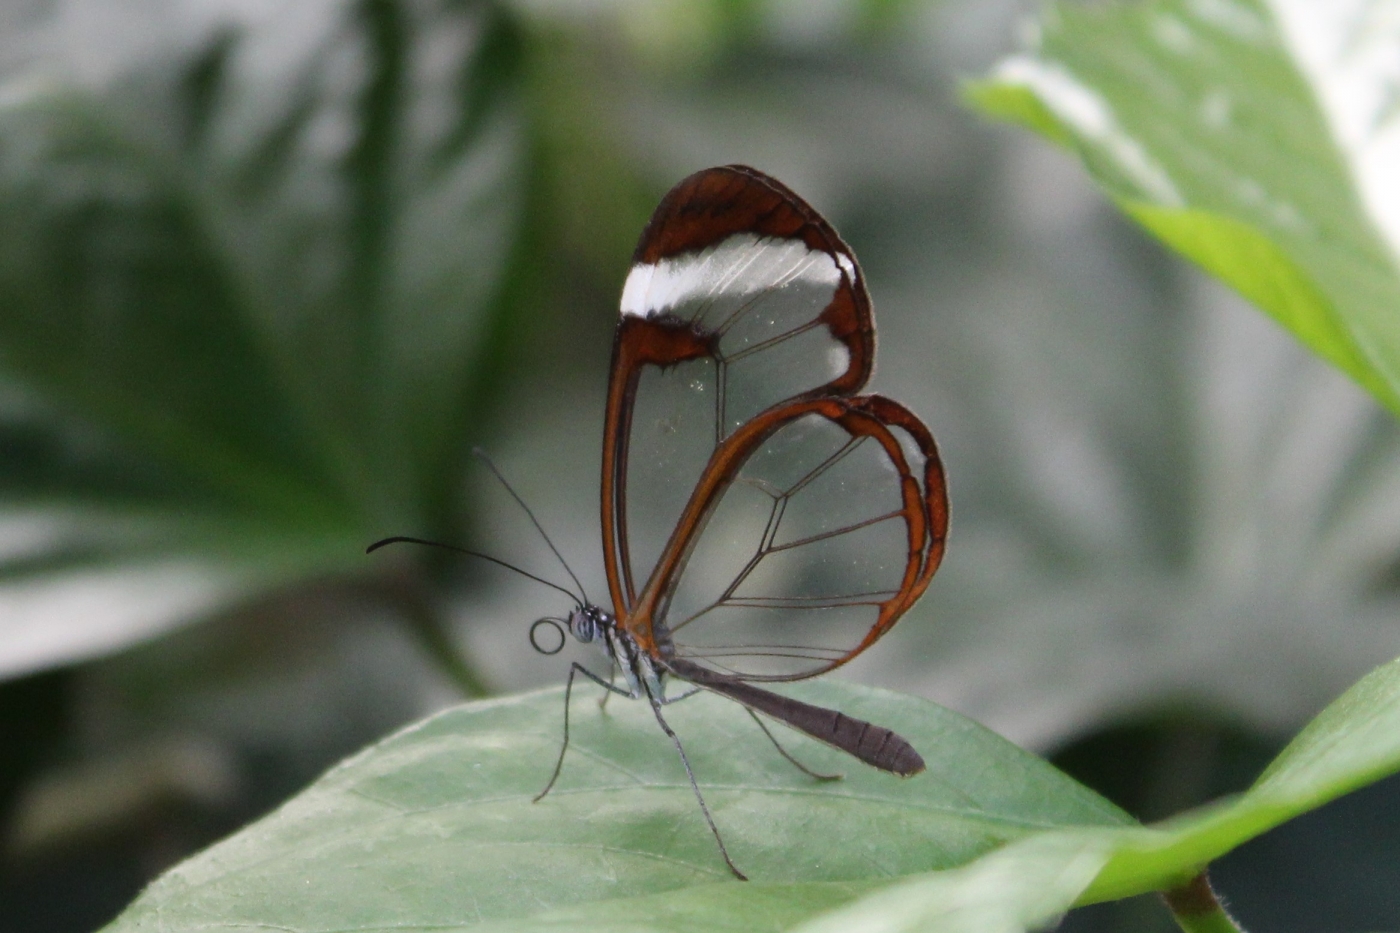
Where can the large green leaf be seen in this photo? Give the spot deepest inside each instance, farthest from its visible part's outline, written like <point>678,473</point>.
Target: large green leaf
<point>434,827</point>
<point>1256,137</point>
<point>247,294</point>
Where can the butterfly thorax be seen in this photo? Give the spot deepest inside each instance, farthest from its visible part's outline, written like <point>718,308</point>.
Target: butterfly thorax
<point>595,624</point>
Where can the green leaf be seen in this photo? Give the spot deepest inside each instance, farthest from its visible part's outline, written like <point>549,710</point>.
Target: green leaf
<point>1251,136</point>
<point>435,827</point>
<point>1354,742</point>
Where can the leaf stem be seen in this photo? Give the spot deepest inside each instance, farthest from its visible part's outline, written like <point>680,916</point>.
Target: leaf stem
<point>1197,909</point>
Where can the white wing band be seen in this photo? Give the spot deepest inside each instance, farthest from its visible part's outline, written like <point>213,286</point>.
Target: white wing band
<point>742,264</point>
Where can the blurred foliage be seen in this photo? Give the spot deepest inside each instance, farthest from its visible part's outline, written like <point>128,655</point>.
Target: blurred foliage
<point>250,296</point>
<point>1257,139</point>
<point>268,274</point>
<point>256,274</point>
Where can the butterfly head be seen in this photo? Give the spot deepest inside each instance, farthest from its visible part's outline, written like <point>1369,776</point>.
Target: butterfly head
<point>588,623</point>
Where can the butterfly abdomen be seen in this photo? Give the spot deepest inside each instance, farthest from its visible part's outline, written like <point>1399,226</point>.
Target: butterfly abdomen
<point>875,745</point>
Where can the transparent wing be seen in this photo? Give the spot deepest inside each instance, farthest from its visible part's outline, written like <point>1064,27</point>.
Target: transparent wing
<point>759,304</point>
<point>741,299</point>
<point>815,527</point>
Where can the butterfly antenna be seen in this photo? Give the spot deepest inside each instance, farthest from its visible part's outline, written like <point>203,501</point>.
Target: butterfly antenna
<point>404,539</point>
<point>481,454</point>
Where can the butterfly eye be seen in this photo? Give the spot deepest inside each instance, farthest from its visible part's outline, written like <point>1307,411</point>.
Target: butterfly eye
<point>584,624</point>
<point>558,626</point>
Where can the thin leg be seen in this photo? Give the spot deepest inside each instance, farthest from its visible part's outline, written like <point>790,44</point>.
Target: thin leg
<point>784,752</point>
<point>612,679</point>
<point>605,684</point>
<point>667,701</point>
<point>575,668</point>
<point>656,708</point>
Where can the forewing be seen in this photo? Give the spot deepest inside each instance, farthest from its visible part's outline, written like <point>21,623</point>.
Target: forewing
<point>740,298</point>
<point>816,526</point>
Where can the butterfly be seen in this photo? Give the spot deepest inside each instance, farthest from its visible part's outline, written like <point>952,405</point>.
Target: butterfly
<point>747,488</point>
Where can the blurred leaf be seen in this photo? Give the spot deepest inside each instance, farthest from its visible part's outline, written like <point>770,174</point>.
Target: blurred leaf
<point>435,826</point>
<point>1253,137</point>
<point>1352,743</point>
<point>246,286</point>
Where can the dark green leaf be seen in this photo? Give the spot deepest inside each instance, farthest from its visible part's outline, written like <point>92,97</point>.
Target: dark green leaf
<point>246,287</point>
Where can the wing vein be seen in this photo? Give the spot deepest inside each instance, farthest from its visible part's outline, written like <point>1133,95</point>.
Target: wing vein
<point>836,532</point>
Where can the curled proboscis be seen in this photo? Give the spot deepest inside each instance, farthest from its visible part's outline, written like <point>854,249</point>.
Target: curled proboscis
<point>557,625</point>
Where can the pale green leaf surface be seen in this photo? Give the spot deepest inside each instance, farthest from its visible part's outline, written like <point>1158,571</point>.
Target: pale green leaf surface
<point>1248,135</point>
<point>434,827</point>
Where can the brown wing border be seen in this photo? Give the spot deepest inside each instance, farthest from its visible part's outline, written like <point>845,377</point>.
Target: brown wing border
<point>925,509</point>
<point>700,211</point>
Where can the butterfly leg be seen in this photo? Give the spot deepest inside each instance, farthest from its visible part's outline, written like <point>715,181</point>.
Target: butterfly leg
<point>667,701</point>
<point>574,669</point>
<point>784,752</point>
<point>656,708</point>
<point>611,688</point>
<point>612,679</point>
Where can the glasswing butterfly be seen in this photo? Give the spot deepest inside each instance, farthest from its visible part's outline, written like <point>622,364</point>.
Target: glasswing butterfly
<point>747,488</point>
